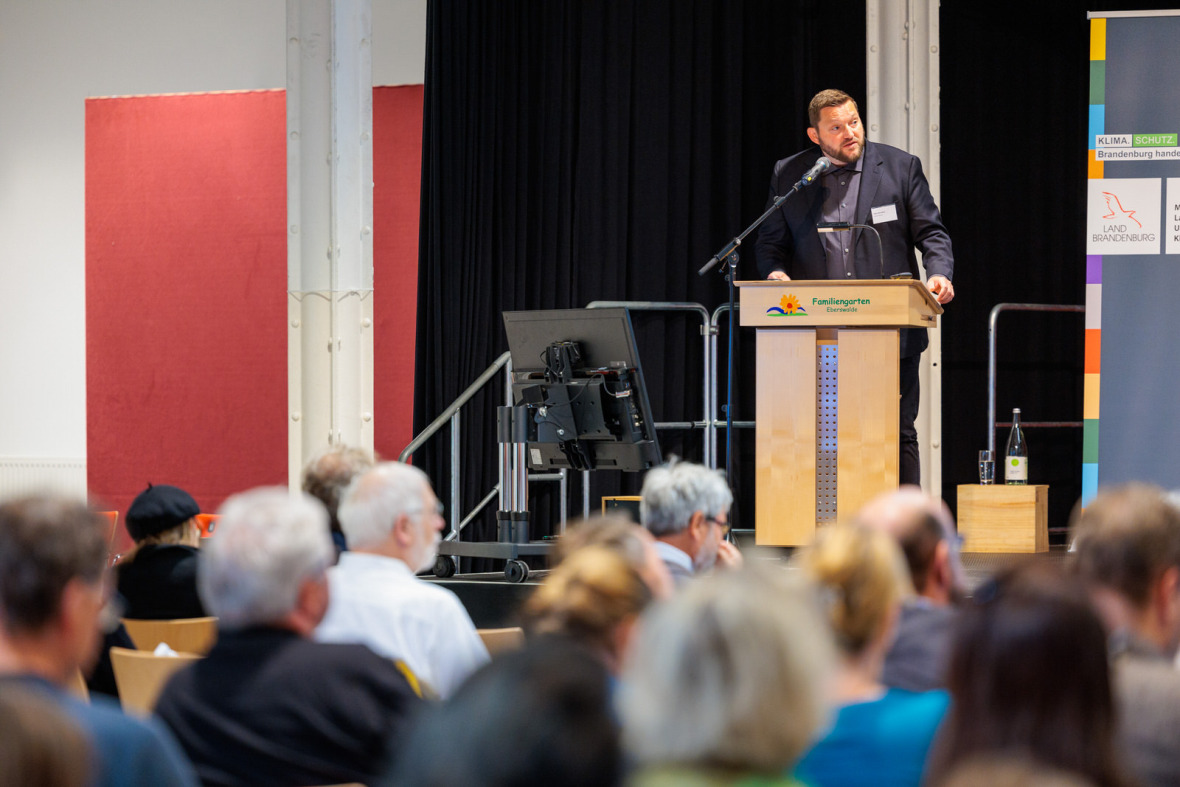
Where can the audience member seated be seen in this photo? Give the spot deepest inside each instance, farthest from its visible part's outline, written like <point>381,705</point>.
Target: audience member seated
<point>887,732</point>
<point>633,542</point>
<point>159,580</point>
<point>538,716</point>
<point>268,705</point>
<point>593,597</point>
<point>327,475</point>
<point>392,521</point>
<point>725,683</point>
<point>40,746</point>
<point>1029,678</point>
<point>923,527</point>
<point>1127,550</point>
<point>686,507</point>
<point>52,555</point>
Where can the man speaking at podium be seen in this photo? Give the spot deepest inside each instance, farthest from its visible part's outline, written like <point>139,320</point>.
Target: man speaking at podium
<point>865,183</point>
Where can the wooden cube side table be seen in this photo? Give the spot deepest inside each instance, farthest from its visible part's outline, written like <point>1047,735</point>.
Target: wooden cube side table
<point>1004,518</point>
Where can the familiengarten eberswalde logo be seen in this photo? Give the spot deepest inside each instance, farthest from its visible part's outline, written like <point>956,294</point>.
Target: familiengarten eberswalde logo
<point>788,306</point>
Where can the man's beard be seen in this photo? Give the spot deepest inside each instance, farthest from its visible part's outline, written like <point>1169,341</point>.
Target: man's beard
<point>840,156</point>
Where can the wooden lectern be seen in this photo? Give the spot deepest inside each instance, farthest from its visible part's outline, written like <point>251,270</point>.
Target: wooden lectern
<point>827,396</point>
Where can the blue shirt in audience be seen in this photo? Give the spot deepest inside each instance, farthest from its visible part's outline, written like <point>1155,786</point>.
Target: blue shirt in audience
<point>130,752</point>
<point>880,742</point>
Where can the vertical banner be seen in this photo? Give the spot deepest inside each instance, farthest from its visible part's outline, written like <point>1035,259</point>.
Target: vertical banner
<point>1132,362</point>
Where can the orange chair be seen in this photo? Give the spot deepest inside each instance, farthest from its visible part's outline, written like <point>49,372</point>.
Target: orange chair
<point>207,523</point>
<point>113,518</point>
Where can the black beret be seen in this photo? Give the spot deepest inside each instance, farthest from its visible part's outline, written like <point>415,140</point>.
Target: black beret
<point>159,508</point>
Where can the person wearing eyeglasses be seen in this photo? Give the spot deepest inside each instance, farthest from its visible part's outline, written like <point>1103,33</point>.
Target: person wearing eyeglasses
<point>393,522</point>
<point>686,507</point>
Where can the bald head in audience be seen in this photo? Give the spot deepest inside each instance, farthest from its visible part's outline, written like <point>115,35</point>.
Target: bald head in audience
<point>922,526</point>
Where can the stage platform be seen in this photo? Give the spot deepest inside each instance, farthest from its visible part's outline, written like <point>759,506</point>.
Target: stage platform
<point>494,602</point>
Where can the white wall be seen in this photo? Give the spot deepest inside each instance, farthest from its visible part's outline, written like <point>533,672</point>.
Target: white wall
<point>53,55</point>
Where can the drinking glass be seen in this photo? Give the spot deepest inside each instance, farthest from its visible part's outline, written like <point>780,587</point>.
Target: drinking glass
<point>987,467</point>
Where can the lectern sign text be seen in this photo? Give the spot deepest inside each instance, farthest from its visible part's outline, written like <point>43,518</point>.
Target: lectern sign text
<point>854,303</point>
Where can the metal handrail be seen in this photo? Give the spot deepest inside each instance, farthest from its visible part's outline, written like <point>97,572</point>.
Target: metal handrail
<point>463,398</point>
<point>991,363</point>
<point>451,415</point>
<point>714,422</point>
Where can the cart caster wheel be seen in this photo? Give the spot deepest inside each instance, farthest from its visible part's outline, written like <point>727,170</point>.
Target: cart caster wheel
<point>444,567</point>
<point>516,571</point>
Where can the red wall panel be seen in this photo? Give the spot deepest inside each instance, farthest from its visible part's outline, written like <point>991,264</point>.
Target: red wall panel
<point>397,178</point>
<point>186,265</point>
<point>185,294</point>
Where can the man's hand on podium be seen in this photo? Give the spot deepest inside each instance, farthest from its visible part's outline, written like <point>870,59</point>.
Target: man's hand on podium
<point>941,287</point>
<point>778,276</point>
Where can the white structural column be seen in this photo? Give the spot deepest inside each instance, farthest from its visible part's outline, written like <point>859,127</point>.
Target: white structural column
<point>329,227</point>
<point>902,110</point>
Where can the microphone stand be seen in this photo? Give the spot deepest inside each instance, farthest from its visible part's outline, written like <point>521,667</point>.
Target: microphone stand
<point>845,226</point>
<point>729,253</point>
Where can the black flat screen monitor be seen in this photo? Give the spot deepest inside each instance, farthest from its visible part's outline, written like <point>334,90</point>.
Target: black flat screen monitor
<point>578,372</point>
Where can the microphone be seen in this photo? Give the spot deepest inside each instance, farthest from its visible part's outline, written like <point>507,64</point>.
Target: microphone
<point>816,170</point>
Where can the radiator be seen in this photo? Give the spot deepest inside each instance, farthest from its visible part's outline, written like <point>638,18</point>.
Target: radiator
<point>19,475</point>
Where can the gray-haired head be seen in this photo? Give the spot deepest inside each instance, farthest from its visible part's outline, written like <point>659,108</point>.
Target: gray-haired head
<point>674,491</point>
<point>268,543</point>
<point>377,498</point>
<point>327,474</point>
<point>719,677</point>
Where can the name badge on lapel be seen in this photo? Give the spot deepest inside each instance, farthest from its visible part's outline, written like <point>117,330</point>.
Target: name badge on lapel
<point>884,213</point>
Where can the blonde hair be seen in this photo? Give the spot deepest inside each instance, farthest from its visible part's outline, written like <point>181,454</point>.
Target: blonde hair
<point>587,597</point>
<point>730,673</point>
<point>612,531</point>
<point>187,532</point>
<point>862,577</point>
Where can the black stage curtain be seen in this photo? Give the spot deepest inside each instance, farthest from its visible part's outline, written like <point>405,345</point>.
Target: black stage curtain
<point>578,151</point>
<point>1015,81</point>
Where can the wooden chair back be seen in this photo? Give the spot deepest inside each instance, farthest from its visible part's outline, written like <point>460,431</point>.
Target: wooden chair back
<point>140,676</point>
<point>184,635</point>
<point>503,639</point>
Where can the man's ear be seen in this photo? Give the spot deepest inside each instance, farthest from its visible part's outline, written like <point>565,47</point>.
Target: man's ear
<point>312,601</point>
<point>402,531</point>
<point>813,135</point>
<point>1165,592</point>
<point>75,611</point>
<point>940,566</point>
<point>698,526</point>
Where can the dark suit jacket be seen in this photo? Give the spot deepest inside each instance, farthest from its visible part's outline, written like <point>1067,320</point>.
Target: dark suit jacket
<point>788,240</point>
<point>267,707</point>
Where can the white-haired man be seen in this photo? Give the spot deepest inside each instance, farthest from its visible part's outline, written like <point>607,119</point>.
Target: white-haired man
<point>391,519</point>
<point>268,705</point>
<point>686,507</point>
